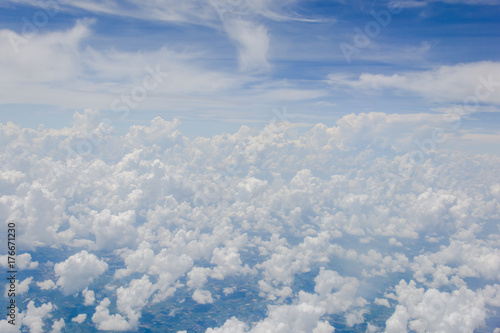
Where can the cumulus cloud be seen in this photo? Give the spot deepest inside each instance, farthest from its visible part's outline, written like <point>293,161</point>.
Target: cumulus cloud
<point>160,132</point>
<point>78,271</point>
<point>89,296</point>
<point>228,290</point>
<point>46,285</point>
<point>302,317</point>
<point>24,285</point>
<point>462,258</point>
<point>107,322</point>
<point>58,325</point>
<point>21,287</point>
<point>8,328</point>
<point>382,301</point>
<point>34,316</point>
<point>334,294</point>
<point>228,262</point>
<point>80,318</point>
<point>461,310</point>
<point>230,326</point>
<point>198,277</point>
<point>113,231</point>
<point>202,296</point>
<point>23,261</point>
<point>134,297</point>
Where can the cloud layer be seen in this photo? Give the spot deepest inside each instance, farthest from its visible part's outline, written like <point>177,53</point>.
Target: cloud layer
<point>150,215</point>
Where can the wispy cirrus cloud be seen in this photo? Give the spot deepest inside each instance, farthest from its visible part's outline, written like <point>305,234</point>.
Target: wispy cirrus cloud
<point>240,20</point>
<point>62,68</point>
<point>55,65</point>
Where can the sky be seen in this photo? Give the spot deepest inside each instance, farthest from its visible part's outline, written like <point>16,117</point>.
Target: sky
<point>250,166</point>
<point>230,63</point>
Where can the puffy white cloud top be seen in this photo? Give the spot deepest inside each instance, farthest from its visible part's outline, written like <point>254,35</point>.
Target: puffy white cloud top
<point>330,228</point>
<point>78,271</point>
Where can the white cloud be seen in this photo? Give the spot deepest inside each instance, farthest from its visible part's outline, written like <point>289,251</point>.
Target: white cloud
<point>370,328</point>
<point>228,262</point>
<point>8,328</point>
<point>83,77</point>
<point>467,83</point>
<point>383,302</point>
<point>58,325</point>
<point>42,212</point>
<point>461,310</point>
<point>323,327</point>
<point>232,325</point>
<point>137,261</point>
<point>78,271</point>
<point>80,318</point>
<point>291,94</point>
<point>46,285</point>
<point>336,293</point>
<point>304,314</point>
<point>198,277</point>
<point>89,296</point>
<point>394,241</point>
<point>71,71</point>
<point>237,18</point>
<point>202,296</point>
<point>21,287</point>
<point>253,43</point>
<point>228,290</point>
<point>301,317</point>
<point>460,259</point>
<point>107,322</point>
<point>159,133</point>
<point>398,322</point>
<point>23,261</point>
<point>355,317</point>
<point>386,264</point>
<point>24,286</point>
<point>43,57</point>
<point>374,130</point>
<point>134,297</point>
<point>113,231</point>
<point>34,317</point>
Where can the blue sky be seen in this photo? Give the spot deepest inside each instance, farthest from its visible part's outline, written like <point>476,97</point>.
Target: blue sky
<point>232,62</point>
